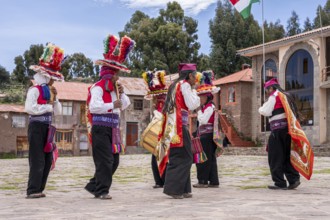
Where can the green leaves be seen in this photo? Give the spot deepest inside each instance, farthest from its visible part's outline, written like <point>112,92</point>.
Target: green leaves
<point>162,42</point>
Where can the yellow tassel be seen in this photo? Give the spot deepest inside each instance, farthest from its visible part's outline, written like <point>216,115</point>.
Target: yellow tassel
<point>175,139</point>
<point>144,76</point>
<point>162,77</point>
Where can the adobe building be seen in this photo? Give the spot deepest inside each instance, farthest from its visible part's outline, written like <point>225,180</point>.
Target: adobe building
<point>301,65</point>
<point>71,134</point>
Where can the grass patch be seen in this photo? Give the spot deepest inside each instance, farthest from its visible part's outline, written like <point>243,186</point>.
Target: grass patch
<point>323,171</point>
<point>8,188</point>
<point>7,155</point>
<point>252,187</point>
<point>51,188</point>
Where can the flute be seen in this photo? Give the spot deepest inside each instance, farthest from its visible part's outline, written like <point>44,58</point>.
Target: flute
<point>117,91</point>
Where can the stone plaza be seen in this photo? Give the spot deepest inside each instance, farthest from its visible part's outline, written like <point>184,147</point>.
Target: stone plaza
<point>242,195</point>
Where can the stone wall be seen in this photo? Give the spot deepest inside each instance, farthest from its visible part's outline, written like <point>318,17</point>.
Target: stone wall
<point>239,113</point>
<point>9,134</point>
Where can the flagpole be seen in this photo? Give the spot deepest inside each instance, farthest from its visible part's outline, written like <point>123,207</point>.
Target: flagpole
<point>263,60</point>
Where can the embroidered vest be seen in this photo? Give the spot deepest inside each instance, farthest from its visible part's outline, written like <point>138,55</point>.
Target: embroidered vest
<point>211,120</point>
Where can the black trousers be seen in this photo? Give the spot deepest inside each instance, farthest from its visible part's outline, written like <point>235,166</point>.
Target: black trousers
<point>178,169</point>
<point>155,171</point>
<point>39,161</point>
<point>106,163</point>
<point>207,172</point>
<point>279,145</point>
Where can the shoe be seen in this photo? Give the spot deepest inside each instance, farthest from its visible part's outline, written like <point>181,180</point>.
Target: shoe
<point>35,196</point>
<point>274,187</point>
<point>157,186</point>
<point>43,195</point>
<point>187,195</point>
<point>213,186</point>
<point>294,185</point>
<point>106,196</point>
<point>177,196</point>
<point>199,185</point>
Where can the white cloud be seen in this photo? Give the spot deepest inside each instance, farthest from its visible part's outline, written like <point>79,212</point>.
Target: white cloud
<point>191,6</point>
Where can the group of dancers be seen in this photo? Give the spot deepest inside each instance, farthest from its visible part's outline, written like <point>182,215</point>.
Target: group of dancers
<point>171,166</point>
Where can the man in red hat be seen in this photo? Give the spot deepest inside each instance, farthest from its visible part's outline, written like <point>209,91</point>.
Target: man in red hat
<point>279,142</point>
<point>181,98</point>
<point>155,80</point>
<point>40,104</point>
<point>105,101</point>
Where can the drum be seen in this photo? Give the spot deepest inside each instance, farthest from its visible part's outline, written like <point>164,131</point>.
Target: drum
<point>149,139</point>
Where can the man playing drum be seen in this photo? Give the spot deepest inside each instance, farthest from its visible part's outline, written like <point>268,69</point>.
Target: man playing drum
<point>155,81</point>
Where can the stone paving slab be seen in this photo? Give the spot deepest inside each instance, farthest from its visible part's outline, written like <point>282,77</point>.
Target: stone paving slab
<point>242,195</point>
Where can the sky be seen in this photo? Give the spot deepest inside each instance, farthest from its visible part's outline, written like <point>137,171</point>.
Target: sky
<point>81,25</point>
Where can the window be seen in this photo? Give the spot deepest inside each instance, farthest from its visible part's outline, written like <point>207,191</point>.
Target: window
<point>299,82</point>
<point>270,73</point>
<point>63,136</point>
<point>18,121</point>
<point>305,65</point>
<point>231,94</point>
<point>66,108</point>
<point>138,104</point>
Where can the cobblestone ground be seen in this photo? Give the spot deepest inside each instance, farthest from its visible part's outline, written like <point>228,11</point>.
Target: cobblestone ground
<point>242,194</point>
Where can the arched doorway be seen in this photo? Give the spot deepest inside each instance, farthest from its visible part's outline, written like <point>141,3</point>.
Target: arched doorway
<point>299,82</point>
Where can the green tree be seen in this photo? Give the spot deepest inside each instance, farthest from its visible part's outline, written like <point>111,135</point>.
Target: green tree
<point>293,26</point>
<point>322,15</point>
<point>162,42</point>
<point>19,73</point>
<point>22,73</point>
<point>273,31</point>
<point>308,26</point>
<point>4,75</point>
<point>203,62</point>
<point>31,57</point>
<point>229,32</point>
<point>77,65</point>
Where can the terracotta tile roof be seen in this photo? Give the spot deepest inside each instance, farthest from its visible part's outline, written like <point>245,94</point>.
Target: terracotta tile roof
<point>241,76</point>
<point>11,108</point>
<point>72,91</point>
<point>274,45</point>
<point>77,91</point>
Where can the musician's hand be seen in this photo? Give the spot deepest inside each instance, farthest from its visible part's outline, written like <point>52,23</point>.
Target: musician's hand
<point>117,104</point>
<point>54,92</point>
<point>120,89</point>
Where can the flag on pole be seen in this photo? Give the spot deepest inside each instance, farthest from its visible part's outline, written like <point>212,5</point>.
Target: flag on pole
<point>243,6</point>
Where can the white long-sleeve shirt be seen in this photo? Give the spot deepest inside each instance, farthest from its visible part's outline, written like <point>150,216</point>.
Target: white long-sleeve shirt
<point>268,107</point>
<point>31,103</point>
<point>203,118</point>
<point>33,108</point>
<point>190,96</point>
<point>97,105</point>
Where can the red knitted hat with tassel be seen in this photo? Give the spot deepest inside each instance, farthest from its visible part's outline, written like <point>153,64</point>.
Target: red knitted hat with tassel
<point>114,61</point>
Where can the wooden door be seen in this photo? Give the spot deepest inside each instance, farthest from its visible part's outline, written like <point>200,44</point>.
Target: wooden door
<point>132,133</point>
<point>22,146</point>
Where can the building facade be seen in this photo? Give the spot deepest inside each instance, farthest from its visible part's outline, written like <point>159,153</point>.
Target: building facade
<point>301,65</point>
<point>71,135</point>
